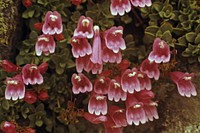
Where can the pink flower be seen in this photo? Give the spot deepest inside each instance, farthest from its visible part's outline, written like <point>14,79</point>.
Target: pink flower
<point>52,23</point>
<point>94,67</point>
<point>14,88</point>
<point>115,91</point>
<point>80,47</point>
<point>184,84</point>
<point>149,107</point>
<point>30,97</point>
<point>98,104</point>
<point>101,85</point>
<point>113,39</point>
<point>110,126</point>
<point>85,27</point>
<point>110,56</point>
<point>134,111</point>
<point>129,81</point>
<point>120,6</point>
<point>8,127</point>
<point>96,56</point>
<point>145,82</point>
<point>32,74</point>
<point>160,53</point>
<point>82,63</point>
<point>8,66</point>
<point>141,3</point>
<point>150,68</point>
<point>95,119</point>
<point>118,115</point>
<point>80,83</point>
<point>45,44</point>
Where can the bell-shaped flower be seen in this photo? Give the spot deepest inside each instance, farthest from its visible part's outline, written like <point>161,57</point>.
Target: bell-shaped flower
<point>94,67</point>
<point>52,23</point>
<point>118,115</point>
<point>110,126</point>
<point>150,68</point>
<point>76,2</point>
<point>8,66</point>
<point>134,111</point>
<point>149,107</point>
<point>145,82</point>
<point>141,3</point>
<point>95,119</point>
<point>15,88</point>
<point>32,74</point>
<point>80,46</point>
<point>82,63</point>
<point>115,91</point>
<point>161,51</point>
<point>97,104</point>
<point>80,83</point>
<point>96,56</point>
<point>129,81</point>
<point>120,6</point>
<point>8,127</point>
<point>85,27</point>
<point>30,97</point>
<point>114,40</point>
<point>110,56</point>
<point>101,85</point>
<point>43,95</point>
<point>184,83</point>
<point>45,44</point>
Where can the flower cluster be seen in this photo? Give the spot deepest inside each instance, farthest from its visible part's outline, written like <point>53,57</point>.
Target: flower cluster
<point>122,6</point>
<point>28,74</point>
<point>52,26</point>
<point>106,46</point>
<point>133,86</point>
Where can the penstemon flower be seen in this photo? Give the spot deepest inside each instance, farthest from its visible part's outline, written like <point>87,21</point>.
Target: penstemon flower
<point>141,3</point>
<point>150,68</point>
<point>161,51</point>
<point>15,88</point>
<point>184,83</point>
<point>98,104</point>
<point>45,44</point>
<point>52,23</point>
<point>120,7</point>
<point>80,46</point>
<point>80,83</point>
<point>84,27</point>
<point>114,40</point>
<point>32,74</point>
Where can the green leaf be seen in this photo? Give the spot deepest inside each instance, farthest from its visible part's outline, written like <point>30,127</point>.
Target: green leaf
<point>152,29</point>
<point>33,35</point>
<point>167,36</point>
<point>70,64</point>
<point>5,104</point>
<point>31,13</point>
<point>166,27</point>
<point>148,38</point>
<point>178,31</point>
<point>197,39</point>
<point>199,59</point>
<point>39,123</point>
<point>190,36</point>
<point>182,41</point>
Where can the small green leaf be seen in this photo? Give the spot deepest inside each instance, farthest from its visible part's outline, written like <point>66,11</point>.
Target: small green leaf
<point>148,38</point>
<point>182,41</point>
<point>152,29</point>
<point>5,104</point>
<point>167,36</point>
<point>166,27</point>
<point>190,36</point>
<point>39,123</point>
<point>197,39</point>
